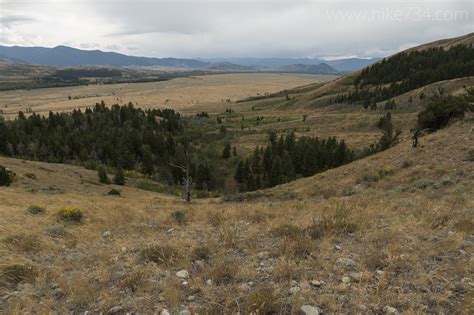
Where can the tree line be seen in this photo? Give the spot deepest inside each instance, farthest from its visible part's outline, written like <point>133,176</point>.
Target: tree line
<point>287,158</point>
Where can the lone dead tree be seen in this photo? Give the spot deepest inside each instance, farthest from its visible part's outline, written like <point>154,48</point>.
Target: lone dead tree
<point>187,181</point>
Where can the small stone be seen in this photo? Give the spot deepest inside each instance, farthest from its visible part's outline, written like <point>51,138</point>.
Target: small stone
<point>316,283</point>
<point>244,287</point>
<point>209,282</point>
<point>124,249</point>
<point>165,312</point>
<point>199,265</point>
<point>345,263</point>
<point>380,272</point>
<point>362,308</point>
<point>311,310</point>
<point>355,276</point>
<point>183,274</point>
<point>116,310</point>
<point>251,283</point>
<point>185,312</point>
<point>346,280</point>
<point>191,298</point>
<point>185,283</point>
<point>390,310</point>
<point>106,234</point>
<point>337,247</point>
<point>294,290</point>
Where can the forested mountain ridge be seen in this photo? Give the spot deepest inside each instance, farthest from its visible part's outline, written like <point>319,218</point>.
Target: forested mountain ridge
<point>401,73</point>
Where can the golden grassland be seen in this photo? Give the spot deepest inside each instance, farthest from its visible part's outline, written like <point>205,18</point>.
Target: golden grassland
<point>189,94</point>
<point>404,218</point>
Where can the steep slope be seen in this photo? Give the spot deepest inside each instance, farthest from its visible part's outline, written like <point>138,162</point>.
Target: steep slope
<point>393,231</point>
<point>380,88</point>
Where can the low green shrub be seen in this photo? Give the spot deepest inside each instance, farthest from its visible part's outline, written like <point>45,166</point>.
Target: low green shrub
<point>13,274</point>
<point>35,209</point>
<point>70,214</point>
<point>56,230</point>
<point>180,216</point>
<point>114,192</point>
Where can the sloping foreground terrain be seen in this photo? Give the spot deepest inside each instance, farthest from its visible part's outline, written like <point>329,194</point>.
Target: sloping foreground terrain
<point>390,233</point>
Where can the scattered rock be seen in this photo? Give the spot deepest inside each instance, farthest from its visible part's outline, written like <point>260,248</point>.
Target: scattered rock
<point>185,283</point>
<point>209,282</point>
<point>191,298</point>
<point>362,308</point>
<point>199,265</point>
<point>346,280</point>
<point>345,263</point>
<point>355,276</point>
<point>337,247</point>
<point>390,310</point>
<point>165,312</point>
<point>316,283</point>
<point>183,274</point>
<point>124,249</point>
<point>116,310</point>
<point>185,312</point>
<point>311,310</point>
<point>294,290</point>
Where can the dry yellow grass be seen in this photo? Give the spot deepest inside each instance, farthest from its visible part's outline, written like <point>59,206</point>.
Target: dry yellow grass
<point>404,218</point>
<point>191,94</point>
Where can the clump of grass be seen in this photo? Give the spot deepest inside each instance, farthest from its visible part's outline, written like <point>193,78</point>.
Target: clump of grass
<point>35,209</point>
<point>287,230</point>
<point>114,192</point>
<point>160,254</point>
<point>373,177</point>
<point>263,300</point>
<point>470,155</point>
<point>11,275</point>
<point>21,242</point>
<point>180,216</point>
<point>132,280</point>
<point>339,222</point>
<point>285,270</point>
<point>215,219</point>
<point>297,247</point>
<point>201,253</point>
<point>55,230</point>
<point>465,226</point>
<point>70,214</point>
<point>224,271</point>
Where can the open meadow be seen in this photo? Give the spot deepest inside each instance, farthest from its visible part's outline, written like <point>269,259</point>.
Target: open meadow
<point>187,94</point>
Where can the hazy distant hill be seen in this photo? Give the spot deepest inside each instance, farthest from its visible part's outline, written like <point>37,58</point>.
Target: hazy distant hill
<point>341,65</point>
<point>228,66</point>
<point>67,56</point>
<point>321,68</point>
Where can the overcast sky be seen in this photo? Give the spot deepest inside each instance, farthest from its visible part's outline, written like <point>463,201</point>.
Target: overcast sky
<point>232,28</point>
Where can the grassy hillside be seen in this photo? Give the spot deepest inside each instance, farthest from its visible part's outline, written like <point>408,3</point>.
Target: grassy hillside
<point>392,230</point>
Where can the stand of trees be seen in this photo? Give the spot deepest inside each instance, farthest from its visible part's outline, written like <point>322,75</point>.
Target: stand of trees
<point>286,159</point>
<point>407,71</point>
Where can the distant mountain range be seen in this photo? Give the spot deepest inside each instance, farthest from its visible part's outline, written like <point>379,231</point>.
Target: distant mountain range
<point>340,65</point>
<point>67,56</point>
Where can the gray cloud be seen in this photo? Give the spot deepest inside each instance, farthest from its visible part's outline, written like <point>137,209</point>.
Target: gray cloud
<point>262,28</point>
